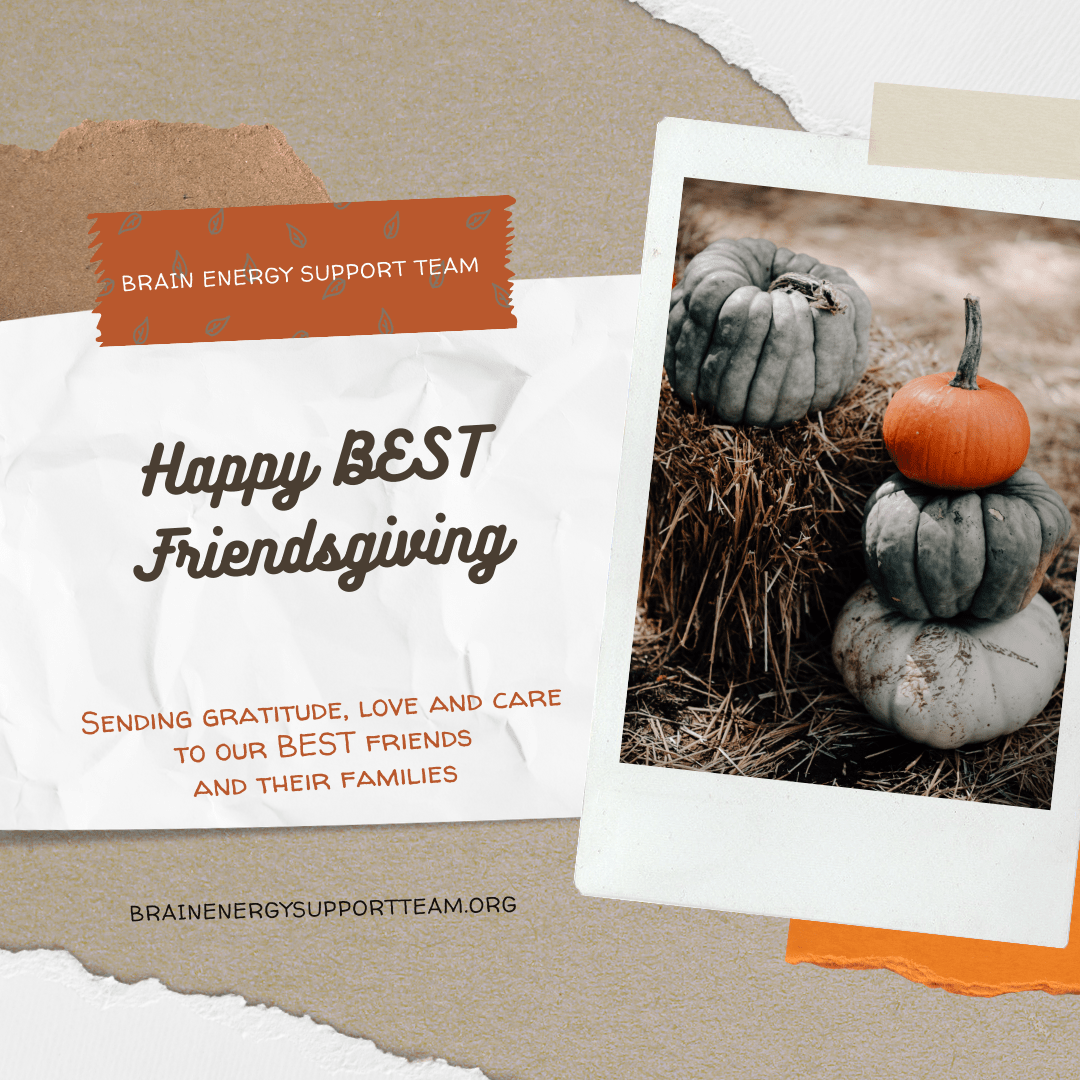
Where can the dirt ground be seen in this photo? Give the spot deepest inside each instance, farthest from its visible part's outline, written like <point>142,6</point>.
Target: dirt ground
<point>915,263</point>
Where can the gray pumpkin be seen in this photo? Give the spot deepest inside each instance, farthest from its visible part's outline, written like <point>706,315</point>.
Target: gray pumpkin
<point>764,336</point>
<point>939,553</point>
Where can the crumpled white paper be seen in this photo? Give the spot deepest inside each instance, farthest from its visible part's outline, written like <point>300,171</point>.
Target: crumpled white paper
<point>59,1021</point>
<point>823,59</point>
<point>422,695</point>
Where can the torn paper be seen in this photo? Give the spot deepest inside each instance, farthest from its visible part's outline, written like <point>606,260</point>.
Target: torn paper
<point>58,1020</point>
<point>823,61</point>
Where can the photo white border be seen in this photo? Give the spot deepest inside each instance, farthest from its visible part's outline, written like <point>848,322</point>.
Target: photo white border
<point>775,847</point>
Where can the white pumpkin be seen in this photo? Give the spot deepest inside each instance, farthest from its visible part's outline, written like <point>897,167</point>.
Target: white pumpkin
<point>948,682</point>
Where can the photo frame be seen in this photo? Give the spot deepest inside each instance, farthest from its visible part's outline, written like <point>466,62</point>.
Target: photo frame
<point>819,850</point>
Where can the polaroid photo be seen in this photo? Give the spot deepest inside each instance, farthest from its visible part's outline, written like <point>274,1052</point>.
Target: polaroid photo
<point>833,677</point>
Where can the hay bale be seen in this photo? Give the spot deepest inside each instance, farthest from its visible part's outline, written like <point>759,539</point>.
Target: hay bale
<point>753,536</point>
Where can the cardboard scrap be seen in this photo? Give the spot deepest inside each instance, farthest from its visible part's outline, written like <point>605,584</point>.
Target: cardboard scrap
<point>125,166</point>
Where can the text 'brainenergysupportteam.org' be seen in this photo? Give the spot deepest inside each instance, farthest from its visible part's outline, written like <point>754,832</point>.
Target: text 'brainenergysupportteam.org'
<point>314,909</point>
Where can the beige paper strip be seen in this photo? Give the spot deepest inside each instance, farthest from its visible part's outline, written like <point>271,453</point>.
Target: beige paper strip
<point>920,127</point>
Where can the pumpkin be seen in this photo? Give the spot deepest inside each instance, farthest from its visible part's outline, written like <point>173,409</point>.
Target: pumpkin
<point>957,431</point>
<point>948,682</point>
<point>935,553</point>
<point>762,335</point>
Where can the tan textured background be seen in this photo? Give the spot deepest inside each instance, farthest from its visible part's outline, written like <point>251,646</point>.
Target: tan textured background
<point>556,104</point>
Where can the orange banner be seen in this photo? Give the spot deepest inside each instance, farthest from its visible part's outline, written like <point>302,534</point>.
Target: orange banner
<point>321,270</point>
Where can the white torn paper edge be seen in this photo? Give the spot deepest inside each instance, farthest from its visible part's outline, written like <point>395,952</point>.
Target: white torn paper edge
<point>59,1021</point>
<point>823,59</point>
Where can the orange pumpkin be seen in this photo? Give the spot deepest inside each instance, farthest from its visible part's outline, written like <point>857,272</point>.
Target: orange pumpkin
<point>957,432</point>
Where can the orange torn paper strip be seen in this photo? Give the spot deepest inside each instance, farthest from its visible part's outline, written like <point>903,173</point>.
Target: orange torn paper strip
<point>959,965</point>
<point>319,270</point>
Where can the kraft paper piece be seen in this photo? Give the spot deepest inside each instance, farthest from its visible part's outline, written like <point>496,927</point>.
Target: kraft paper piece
<point>561,995</point>
<point>824,62</point>
<point>70,1022</point>
<point>256,272</point>
<point>922,128</point>
<point>307,581</point>
<point>120,167</point>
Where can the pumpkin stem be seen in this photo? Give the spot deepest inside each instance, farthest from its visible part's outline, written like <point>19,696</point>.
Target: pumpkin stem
<point>966,373</point>
<point>822,294</point>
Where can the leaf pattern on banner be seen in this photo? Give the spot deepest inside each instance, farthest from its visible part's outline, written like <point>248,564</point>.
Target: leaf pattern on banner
<point>301,333</point>
<point>474,221</point>
<point>296,237</point>
<point>501,295</point>
<point>217,222</point>
<point>333,288</point>
<point>132,221</point>
<point>385,325</point>
<point>105,286</point>
<point>341,205</point>
<point>435,280</point>
<point>215,326</point>
<point>139,334</point>
<point>249,263</point>
<point>389,230</point>
<point>178,264</point>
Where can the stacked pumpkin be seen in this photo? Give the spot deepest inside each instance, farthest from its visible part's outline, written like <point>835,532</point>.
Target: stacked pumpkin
<point>950,643</point>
